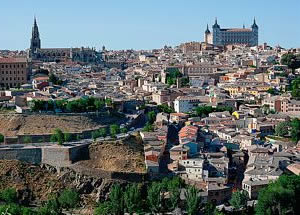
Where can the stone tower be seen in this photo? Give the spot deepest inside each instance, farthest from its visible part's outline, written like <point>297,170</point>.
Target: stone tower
<point>207,36</point>
<point>216,33</point>
<point>35,42</point>
<point>255,33</point>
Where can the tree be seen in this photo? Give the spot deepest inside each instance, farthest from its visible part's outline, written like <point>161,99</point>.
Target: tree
<point>173,187</point>
<point>209,208</point>
<point>57,136</point>
<point>239,200</point>
<point>165,108</point>
<point>295,132</point>
<point>61,104</point>
<point>295,88</point>
<point>37,105</point>
<point>193,200</point>
<point>132,198</point>
<point>103,209</point>
<point>9,195</point>
<point>123,130</point>
<point>148,127</point>
<point>54,79</point>
<point>272,91</point>
<point>282,129</point>
<point>154,197</point>
<point>27,139</point>
<point>99,104</point>
<point>114,130</point>
<point>280,197</point>
<point>116,200</point>
<point>151,116</point>
<point>69,199</point>
<point>103,132</point>
<point>291,60</point>
<point>52,207</point>
<point>95,135</point>
<point>1,138</point>
<point>68,137</point>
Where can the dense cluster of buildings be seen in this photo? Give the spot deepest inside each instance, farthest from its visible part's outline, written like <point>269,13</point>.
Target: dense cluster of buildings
<point>219,151</point>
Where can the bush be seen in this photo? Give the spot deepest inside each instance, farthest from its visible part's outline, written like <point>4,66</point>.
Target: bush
<point>123,130</point>
<point>27,139</point>
<point>57,136</point>
<point>9,195</point>
<point>1,138</point>
<point>69,199</point>
<point>95,135</point>
<point>68,137</point>
<point>103,132</point>
<point>114,130</point>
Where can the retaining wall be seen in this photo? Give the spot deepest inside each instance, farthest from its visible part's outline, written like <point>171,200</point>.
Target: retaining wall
<point>59,156</point>
<point>30,155</point>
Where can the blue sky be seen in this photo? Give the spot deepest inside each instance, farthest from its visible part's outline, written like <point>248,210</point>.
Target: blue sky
<point>141,24</point>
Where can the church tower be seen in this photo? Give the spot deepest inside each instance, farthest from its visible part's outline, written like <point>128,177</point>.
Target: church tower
<point>35,42</point>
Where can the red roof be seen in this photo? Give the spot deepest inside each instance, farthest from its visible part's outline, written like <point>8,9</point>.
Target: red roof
<point>13,60</point>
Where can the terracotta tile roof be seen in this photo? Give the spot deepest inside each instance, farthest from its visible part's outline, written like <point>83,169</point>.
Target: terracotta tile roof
<point>13,60</point>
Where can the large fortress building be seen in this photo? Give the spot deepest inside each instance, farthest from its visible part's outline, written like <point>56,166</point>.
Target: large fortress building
<point>229,36</point>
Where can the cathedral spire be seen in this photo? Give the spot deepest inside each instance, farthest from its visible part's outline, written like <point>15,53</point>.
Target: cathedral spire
<point>35,42</point>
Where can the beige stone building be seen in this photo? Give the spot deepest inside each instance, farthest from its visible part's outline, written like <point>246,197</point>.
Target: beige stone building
<point>13,72</point>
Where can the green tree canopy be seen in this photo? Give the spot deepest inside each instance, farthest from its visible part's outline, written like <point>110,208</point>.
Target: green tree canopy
<point>1,138</point>
<point>132,198</point>
<point>291,60</point>
<point>148,127</point>
<point>272,91</point>
<point>57,136</point>
<point>239,200</point>
<point>280,197</point>
<point>193,200</point>
<point>69,199</point>
<point>103,132</point>
<point>151,116</point>
<point>154,197</point>
<point>282,129</point>
<point>116,200</point>
<point>9,195</point>
<point>295,132</point>
<point>114,130</point>
<point>165,109</point>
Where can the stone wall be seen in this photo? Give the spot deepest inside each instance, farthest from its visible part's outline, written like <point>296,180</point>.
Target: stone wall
<point>59,156</point>
<point>29,155</point>
<point>56,156</point>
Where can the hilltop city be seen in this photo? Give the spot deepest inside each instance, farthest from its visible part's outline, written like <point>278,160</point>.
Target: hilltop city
<point>208,127</point>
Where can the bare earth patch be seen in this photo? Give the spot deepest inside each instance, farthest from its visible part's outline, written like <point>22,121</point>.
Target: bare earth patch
<point>119,156</point>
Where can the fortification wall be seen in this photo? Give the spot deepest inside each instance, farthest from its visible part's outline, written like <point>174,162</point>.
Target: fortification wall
<point>29,155</point>
<point>59,156</point>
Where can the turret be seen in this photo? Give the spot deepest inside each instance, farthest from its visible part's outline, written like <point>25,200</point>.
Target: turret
<point>207,30</point>
<point>207,35</point>
<point>254,26</point>
<point>216,24</point>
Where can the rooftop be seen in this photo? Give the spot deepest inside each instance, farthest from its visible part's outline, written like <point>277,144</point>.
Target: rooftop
<point>13,60</point>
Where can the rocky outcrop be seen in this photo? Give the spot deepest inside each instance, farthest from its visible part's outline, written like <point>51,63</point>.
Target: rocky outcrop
<point>35,183</point>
